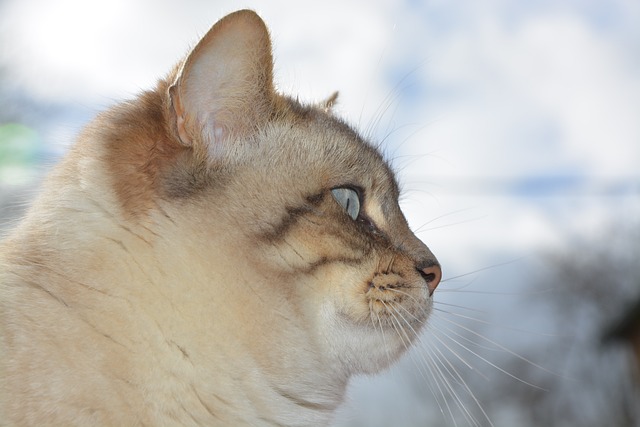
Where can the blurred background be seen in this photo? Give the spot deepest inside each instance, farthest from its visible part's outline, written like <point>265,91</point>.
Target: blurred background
<point>515,130</point>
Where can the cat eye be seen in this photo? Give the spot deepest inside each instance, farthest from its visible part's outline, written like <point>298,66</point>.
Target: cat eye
<point>349,199</point>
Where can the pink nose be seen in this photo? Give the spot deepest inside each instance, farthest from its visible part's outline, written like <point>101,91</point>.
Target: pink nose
<point>432,276</point>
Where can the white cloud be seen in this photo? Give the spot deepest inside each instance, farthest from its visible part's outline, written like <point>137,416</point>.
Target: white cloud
<point>552,91</point>
<point>74,51</point>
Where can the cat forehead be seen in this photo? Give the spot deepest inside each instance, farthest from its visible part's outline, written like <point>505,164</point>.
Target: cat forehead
<point>318,136</point>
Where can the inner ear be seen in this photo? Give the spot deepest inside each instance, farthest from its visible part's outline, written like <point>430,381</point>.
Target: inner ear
<point>224,89</point>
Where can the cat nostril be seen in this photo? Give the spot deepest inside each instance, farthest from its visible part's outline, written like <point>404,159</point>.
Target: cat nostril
<point>432,276</point>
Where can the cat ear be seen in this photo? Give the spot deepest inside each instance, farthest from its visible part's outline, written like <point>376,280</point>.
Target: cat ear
<point>224,89</point>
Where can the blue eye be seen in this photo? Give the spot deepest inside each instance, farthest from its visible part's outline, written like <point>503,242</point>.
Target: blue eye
<point>349,199</point>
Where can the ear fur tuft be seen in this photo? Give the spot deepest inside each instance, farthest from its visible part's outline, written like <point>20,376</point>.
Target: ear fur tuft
<point>327,104</point>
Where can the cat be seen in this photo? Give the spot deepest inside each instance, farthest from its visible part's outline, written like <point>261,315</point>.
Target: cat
<point>209,253</point>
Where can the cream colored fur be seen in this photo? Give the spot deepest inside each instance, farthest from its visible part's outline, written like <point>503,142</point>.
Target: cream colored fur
<point>186,263</point>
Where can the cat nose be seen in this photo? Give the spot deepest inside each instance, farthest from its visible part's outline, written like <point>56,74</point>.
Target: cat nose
<point>432,275</point>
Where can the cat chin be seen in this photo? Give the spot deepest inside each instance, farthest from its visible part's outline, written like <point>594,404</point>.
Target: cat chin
<point>362,347</point>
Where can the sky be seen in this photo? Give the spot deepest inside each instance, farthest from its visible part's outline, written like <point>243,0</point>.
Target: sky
<point>514,126</point>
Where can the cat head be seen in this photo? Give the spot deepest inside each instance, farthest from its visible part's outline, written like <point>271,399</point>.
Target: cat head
<point>280,201</point>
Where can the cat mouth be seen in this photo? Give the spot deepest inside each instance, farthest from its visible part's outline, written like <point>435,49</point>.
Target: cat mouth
<point>396,303</point>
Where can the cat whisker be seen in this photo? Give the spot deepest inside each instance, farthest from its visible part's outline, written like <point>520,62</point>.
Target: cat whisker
<point>404,331</point>
<point>501,264</point>
<point>398,328</point>
<point>487,361</point>
<point>409,160</point>
<point>384,338</point>
<point>437,375</point>
<point>390,99</point>
<point>415,333</point>
<point>456,376</point>
<point>436,302</point>
<point>401,162</point>
<point>384,106</point>
<point>433,367</point>
<point>452,374</point>
<point>496,325</point>
<point>440,381</point>
<point>446,372</point>
<point>453,352</point>
<point>501,293</point>
<point>426,369</point>
<point>473,343</point>
<point>372,122</point>
<point>419,229</point>
<point>457,355</point>
<point>421,321</point>
<point>383,141</point>
<point>447,375</point>
<point>450,370</point>
<point>398,291</point>
<point>453,224</point>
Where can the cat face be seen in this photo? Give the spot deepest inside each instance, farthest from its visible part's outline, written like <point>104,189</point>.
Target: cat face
<point>317,205</point>
<point>359,269</point>
<point>319,208</point>
<point>278,213</point>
